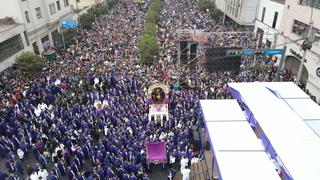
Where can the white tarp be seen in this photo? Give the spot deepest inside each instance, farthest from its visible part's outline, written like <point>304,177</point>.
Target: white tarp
<point>307,109</point>
<point>298,101</point>
<point>286,90</point>
<point>246,166</point>
<point>314,125</point>
<point>222,110</point>
<point>233,136</point>
<point>239,154</point>
<point>295,143</point>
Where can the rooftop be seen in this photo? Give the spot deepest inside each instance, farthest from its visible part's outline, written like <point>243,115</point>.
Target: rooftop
<point>6,27</point>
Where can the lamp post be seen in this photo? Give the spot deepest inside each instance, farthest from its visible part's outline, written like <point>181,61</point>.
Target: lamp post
<point>78,18</point>
<point>307,44</point>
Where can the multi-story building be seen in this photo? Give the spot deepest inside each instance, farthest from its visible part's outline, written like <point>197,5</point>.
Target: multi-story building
<point>38,21</point>
<point>243,12</point>
<point>268,21</point>
<point>297,17</point>
<point>82,4</point>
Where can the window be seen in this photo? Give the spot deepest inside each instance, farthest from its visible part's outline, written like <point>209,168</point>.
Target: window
<point>66,3</point>
<point>10,47</point>
<point>275,18</point>
<point>311,3</point>
<point>35,48</point>
<point>52,8</point>
<point>263,14</point>
<point>26,14</point>
<point>299,28</point>
<point>26,37</point>
<point>38,12</point>
<point>58,5</point>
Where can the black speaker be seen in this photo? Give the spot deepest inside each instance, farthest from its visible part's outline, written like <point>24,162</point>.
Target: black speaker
<point>184,47</point>
<point>193,48</point>
<point>184,58</point>
<point>217,61</point>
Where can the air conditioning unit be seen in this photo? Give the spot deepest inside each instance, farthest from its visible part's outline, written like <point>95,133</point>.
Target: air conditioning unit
<point>317,36</point>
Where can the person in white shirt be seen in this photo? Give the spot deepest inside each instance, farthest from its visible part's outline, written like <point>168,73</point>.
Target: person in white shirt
<point>20,153</point>
<point>43,173</point>
<point>183,163</point>
<point>34,176</point>
<point>186,174</point>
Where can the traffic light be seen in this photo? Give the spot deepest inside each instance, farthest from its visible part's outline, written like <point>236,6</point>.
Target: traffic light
<point>259,53</point>
<point>234,52</point>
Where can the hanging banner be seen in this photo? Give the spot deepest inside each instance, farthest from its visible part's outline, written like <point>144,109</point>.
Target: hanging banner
<point>200,39</point>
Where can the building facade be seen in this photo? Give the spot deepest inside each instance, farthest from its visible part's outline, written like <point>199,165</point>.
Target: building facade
<point>294,29</point>
<point>243,12</point>
<point>268,21</point>
<point>82,4</point>
<point>39,20</point>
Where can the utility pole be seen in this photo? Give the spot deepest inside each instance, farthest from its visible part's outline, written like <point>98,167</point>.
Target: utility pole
<point>281,62</point>
<point>78,13</point>
<point>299,75</point>
<point>275,40</point>
<point>63,41</point>
<point>224,13</point>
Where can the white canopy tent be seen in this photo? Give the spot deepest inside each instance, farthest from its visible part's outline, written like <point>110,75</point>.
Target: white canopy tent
<point>307,109</point>
<point>292,140</point>
<point>246,165</point>
<point>220,110</point>
<point>286,90</point>
<point>299,102</point>
<point>314,125</point>
<point>238,153</point>
<point>237,136</point>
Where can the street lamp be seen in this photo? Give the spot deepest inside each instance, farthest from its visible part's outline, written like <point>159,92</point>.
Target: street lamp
<point>306,45</point>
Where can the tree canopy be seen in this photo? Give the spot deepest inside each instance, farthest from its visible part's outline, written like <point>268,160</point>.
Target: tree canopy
<point>29,63</point>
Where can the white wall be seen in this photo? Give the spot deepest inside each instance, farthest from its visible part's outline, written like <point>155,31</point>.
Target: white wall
<point>30,6</point>
<point>82,4</point>
<point>271,8</point>
<point>249,12</point>
<point>219,4</point>
<point>266,25</point>
<point>10,8</point>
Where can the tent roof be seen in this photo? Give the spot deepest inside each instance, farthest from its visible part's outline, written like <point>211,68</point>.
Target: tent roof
<point>222,110</point>
<point>314,125</point>
<point>305,108</point>
<point>246,165</point>
<point>228,136</point>
<point>294,142</point>
<point>285,90</point>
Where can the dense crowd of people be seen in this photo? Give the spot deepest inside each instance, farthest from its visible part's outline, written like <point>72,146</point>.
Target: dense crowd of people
<point>55,119</point>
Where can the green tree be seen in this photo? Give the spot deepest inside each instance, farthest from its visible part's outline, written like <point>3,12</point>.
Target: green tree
<point>148,47</point>
<point>29,63</point>
<point>68,34</point>
<point>112,3</point>
<point>150,28</point>
<point>211,6</point>
<point>87,19</point>
<point>153,16</point>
